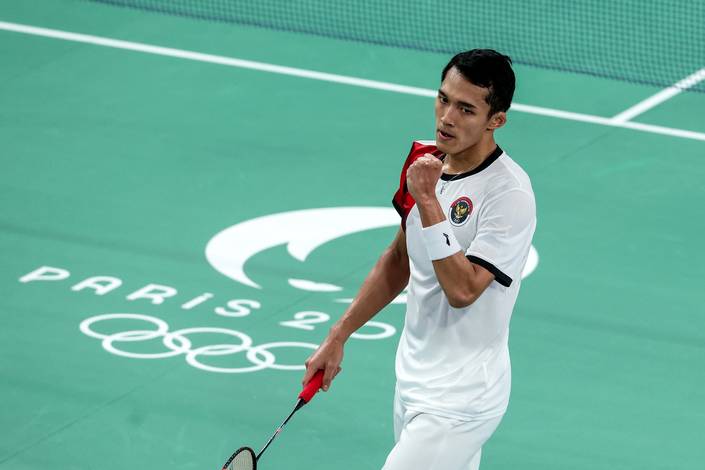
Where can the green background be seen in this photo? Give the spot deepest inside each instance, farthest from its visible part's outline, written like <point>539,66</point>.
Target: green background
<point>126,164</point>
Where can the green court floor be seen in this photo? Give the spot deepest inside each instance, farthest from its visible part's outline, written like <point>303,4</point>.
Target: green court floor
<point>140,168</point>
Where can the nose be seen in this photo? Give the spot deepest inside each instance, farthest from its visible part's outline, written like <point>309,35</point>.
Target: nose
<point>447,116</point>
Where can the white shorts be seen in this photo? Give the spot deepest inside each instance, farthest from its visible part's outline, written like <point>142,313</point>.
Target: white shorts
<point>427,442</point>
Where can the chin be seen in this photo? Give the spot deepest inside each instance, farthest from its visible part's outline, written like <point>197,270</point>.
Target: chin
<point>444,147</point>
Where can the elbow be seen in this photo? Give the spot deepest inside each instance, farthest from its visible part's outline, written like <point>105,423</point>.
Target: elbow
<point>462,299</point>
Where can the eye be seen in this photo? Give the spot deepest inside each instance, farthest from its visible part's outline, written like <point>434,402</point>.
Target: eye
<point>467,110</point>
<point>443,99</point>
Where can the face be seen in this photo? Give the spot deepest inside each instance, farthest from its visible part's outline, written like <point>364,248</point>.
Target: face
<point>462,118</point>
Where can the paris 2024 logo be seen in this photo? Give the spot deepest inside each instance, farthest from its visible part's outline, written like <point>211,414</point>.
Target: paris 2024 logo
<point>228,252</point>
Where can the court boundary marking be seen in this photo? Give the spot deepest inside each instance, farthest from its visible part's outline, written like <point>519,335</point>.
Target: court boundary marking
<point>663,95</point>
<point>621,120</point>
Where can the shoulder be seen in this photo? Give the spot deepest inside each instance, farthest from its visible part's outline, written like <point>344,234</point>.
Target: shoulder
<point>507,176</point>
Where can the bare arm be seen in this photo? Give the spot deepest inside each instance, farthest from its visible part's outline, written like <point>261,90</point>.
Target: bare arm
<point>461,280</point>
<point>384,282</point>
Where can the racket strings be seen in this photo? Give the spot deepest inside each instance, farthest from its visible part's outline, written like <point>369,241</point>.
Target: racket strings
<point>243,459</point>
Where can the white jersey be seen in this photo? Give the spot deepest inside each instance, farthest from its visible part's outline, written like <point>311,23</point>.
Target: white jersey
<point>454,362</point>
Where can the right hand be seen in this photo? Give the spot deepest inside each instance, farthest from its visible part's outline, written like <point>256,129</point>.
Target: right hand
<point>327,358</point>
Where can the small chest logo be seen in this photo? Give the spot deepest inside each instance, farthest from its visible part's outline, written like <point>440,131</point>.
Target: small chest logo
<point>460,211</point>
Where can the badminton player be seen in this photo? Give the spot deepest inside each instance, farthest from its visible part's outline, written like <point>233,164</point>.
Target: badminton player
<point>467,219</point>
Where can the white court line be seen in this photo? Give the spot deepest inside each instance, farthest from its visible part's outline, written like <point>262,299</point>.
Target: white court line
<point>637,126</point>
<point>660,97</point>
<point>328,77</point>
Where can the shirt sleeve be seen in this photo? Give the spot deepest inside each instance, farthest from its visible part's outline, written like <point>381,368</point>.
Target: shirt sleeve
<point>505,228</point>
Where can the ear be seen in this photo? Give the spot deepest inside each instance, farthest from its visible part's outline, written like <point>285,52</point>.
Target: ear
<point>497,120</point>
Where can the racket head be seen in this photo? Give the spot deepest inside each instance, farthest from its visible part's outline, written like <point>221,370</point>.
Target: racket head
<point>242,459</point>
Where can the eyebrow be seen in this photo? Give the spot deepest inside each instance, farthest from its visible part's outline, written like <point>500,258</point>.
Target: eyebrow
<point>461,103</point>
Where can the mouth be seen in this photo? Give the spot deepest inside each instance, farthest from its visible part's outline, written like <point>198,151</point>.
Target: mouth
<point>444,136</point>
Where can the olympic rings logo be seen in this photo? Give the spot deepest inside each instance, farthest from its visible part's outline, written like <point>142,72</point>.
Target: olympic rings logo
<point>177,343</point>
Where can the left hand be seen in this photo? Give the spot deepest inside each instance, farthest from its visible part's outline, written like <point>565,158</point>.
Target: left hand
<point>422,177</point>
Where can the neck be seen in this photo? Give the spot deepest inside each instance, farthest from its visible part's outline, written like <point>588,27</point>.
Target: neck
<point>470,158</point>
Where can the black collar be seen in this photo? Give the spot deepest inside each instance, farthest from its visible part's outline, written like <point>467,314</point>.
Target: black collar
<point>485,163</point>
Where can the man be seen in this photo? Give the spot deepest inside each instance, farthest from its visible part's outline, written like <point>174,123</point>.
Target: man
<point>468,217</point>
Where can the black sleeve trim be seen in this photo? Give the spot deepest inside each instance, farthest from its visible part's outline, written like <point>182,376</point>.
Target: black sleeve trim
<point>398,207</point>
<point>401,213</point>
<point>499,276</point>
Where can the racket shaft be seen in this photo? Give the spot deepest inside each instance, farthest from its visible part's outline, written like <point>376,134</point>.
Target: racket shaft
<point>298,406</point>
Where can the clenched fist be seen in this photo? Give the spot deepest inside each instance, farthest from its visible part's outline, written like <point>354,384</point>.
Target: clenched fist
<point>422,176</point>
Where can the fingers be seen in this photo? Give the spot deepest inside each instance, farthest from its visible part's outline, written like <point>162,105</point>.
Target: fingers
<point>425,163</point>
<point>424,159</point>
<point>327,358</point>
<point>311,368</point>
<point>428,159</point>
<point>330,372</point>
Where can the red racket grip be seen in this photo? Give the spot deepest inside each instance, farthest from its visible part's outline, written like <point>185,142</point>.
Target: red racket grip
<point>312,387</point>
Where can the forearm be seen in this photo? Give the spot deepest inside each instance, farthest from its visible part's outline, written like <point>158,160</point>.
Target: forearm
<point>455,273</point>
<point>384,282</point>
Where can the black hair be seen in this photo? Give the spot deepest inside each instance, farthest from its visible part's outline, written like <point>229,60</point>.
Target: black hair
<point>489,69</point>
